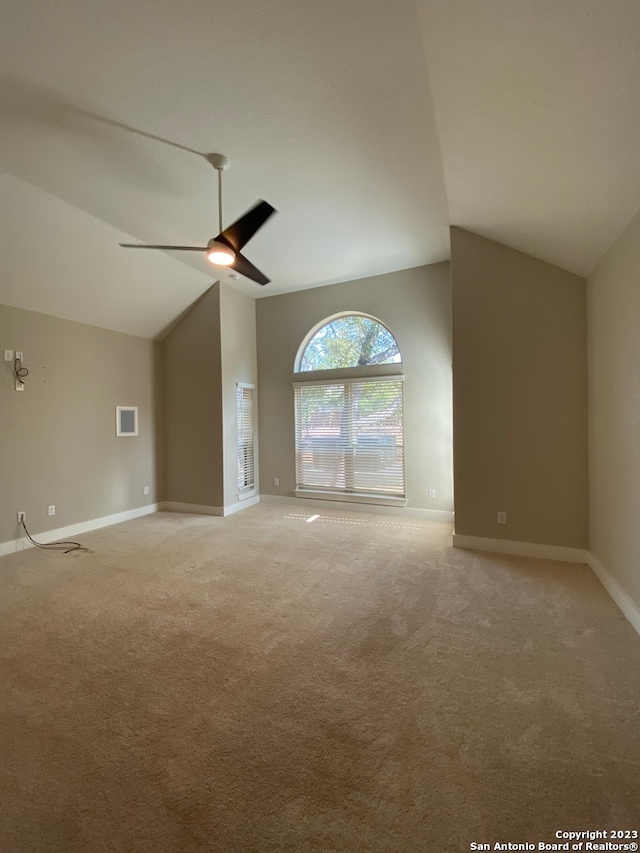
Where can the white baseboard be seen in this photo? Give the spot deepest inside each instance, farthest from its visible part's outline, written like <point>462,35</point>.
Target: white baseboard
<point>557,552</point>
<point>521,549</point>
<point>344,497</point>
<point>196,509</point>
<point>345,506</point>
<point>203,509</point>
<point>247,502</point>
<point>76,529</point>
<point>499,546</point>
<point>624,601</point>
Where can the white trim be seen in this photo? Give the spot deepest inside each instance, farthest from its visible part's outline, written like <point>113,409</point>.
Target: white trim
<point>392,377</point>
<point>557,552</point>
<point>243,504</point>
<point>119,410</point>
<point>339,316</point>
<point>376,509</point>
<point>351,497</point>
<point>203,509</point>
<point>521,549</point>
<point>250,492</point>
<point>50,536</point>
<point>246,438</point>
<point>196,509</point>
<point>621,598</point>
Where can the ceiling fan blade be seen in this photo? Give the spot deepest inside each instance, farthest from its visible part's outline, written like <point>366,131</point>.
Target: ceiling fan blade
<point>246,268</point>
<point>172,248</point>
<point>242,230</point>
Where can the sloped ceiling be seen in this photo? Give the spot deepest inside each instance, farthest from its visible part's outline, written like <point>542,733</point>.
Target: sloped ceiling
<point>538,115</point>
<point>65,258</point>
<point>370,127</point>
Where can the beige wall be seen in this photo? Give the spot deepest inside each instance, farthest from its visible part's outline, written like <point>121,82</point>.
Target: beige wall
<point>193,407</point>
<point>415,305</point>
<point>239,364</point>
<point>520,395</point>
<point>614,410</point>
<point>58,443</point>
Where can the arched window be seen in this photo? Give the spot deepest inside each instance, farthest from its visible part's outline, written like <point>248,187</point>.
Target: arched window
<point>349,340</point>
<point>349,431</point>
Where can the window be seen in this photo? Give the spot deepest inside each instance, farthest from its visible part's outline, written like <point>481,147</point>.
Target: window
<point>349,436</point>
<point>352,340</point>
<point>246,456</point>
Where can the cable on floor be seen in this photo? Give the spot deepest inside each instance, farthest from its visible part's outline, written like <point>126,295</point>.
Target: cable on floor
<point>55,546</point>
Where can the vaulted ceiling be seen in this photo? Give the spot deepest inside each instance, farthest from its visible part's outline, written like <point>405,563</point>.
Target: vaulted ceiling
<point>370,126</point>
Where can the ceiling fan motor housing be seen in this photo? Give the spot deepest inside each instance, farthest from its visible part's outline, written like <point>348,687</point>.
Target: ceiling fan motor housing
<point>225,249</point>
<point>220,253</point>
<point>218,161</point>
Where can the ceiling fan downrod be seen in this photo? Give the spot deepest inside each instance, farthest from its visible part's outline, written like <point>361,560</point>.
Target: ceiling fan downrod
<point>225,249</point>
<point>220,163</point>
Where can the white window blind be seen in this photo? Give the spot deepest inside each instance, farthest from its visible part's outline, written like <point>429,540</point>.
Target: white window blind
<point>246,472</point>
<point>349,436</point>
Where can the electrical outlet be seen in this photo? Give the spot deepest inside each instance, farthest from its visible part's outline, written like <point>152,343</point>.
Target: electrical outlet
<point>432,493</point>
<point>19,385</point>
<point>276,481</point>
<point>8,355</point>
<point>146,490</point>
<point>19,355</point>
<point>502,518</point>
<point>51,510</point>
<point>22,516</point>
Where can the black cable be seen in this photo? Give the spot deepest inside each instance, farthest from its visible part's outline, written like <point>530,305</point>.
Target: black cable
<point>55,546</point>
<point>21,373</point>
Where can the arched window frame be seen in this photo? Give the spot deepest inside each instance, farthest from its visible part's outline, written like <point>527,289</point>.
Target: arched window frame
<point>358,374</point>
<point>372,369</point>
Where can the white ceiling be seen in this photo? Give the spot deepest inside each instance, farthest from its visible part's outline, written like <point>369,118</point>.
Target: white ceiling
<point>139,294</point>
<point>370,127</point>
<point>538,114</point>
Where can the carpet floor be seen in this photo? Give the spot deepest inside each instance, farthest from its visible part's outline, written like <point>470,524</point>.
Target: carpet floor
<point>269,682</point>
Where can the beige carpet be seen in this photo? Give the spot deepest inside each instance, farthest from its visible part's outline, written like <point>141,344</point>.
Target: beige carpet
<point>267,683</point>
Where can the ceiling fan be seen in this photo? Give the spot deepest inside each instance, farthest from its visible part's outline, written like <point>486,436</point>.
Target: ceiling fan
<point>224,250</point>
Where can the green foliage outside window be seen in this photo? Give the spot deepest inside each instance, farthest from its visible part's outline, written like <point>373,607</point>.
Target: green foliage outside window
<point>352,341</point>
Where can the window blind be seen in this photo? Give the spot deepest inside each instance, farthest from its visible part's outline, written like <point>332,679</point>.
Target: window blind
<point>246,472</point>
<point>349,436</point>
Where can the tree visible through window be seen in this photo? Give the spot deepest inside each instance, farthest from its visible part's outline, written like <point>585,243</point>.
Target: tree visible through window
<point>349,436</point>
<point>349,431</point>
<point>351,341</point>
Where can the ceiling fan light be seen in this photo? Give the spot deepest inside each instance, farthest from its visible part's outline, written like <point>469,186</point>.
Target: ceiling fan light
<point>220,254</point>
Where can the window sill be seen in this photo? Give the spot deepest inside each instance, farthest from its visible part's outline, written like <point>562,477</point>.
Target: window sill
<point>247,493</point>
<point>382,500</point>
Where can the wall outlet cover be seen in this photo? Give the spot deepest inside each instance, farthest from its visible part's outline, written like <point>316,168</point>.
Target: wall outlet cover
<point>432,493</point>
<point>19,355</point>
<point>146,490</point>
<point>8,355</point>
<point>51,510</point>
